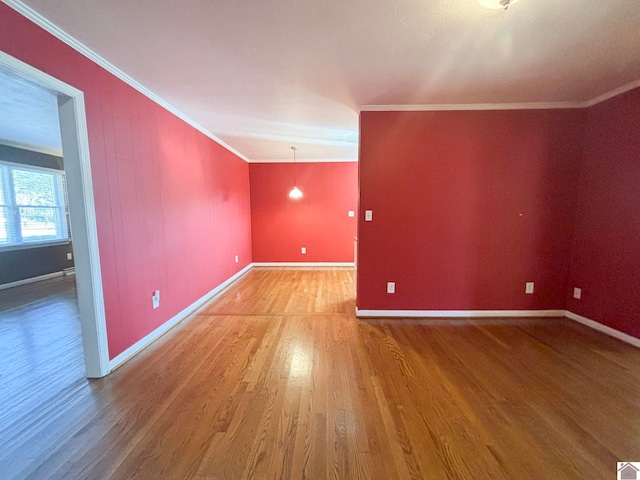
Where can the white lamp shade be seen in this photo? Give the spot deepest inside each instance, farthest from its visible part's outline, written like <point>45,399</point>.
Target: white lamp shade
<point>295,193</point>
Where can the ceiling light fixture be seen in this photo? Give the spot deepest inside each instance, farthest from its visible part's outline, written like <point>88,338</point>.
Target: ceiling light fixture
<point>497,4</point>
<point>295,192</point>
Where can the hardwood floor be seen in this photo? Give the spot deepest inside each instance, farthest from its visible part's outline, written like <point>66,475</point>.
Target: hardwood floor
<point>40,356</point>
<point>276,378</point>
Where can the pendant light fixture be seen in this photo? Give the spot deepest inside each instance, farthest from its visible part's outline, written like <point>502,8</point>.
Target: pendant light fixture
<point>295,192</point>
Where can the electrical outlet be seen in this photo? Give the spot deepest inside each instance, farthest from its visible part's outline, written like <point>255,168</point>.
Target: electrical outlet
<point>528,287</point>
<point>391,287</point>
<point>155,299</point>
<point>351,213</point>
<point>69,256</point>
<point>368,215</point>
<point>303,250</point>
<point>237,259</point>
<point>577,293</point>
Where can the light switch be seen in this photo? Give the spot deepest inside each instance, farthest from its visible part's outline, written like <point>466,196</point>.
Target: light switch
<point>368,215</point>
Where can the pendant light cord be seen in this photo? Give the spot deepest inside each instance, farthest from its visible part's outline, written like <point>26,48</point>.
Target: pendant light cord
<point>294,166</point>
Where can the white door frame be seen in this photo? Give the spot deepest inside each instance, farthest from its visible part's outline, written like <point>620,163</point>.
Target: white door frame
<point>82,213</point>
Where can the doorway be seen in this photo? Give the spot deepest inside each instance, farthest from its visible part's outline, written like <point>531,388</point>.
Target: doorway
<point>82,217</point>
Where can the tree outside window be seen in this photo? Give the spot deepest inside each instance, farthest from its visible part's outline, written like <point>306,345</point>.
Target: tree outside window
<point>32,205</point>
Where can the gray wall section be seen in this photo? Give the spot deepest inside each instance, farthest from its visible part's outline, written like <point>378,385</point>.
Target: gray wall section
<point>27,157</point>
<point>32,262</point>
<point>18,265</point>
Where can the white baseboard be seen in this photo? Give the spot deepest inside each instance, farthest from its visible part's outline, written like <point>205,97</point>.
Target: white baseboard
<point>169,324</point>
<point>26,281</point>
<point>457,313</point>
<point>604,329</point>
<point>303,264</point>
<point>499,313</point>
<point>161,330</point>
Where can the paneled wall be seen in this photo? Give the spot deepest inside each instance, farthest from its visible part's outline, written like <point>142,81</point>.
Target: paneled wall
<point>319,221</point>
<point>467,208</point>
<point>172,205</point>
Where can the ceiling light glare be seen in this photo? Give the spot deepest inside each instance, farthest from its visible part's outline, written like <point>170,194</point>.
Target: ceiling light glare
<point>497,4</point>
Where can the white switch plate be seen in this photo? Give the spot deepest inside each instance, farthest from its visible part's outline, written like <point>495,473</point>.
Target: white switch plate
<point>351,213</point>
<point>528,288</point>
<point>368,215</point>
<point>155,299</point>
<point>391,287</point>
<point>303,250</point>
<point>237,259</point>
<point>577,293</point>
<point>69,256</point>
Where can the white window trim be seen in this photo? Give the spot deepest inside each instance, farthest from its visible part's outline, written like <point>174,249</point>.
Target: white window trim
<point>61,205</point>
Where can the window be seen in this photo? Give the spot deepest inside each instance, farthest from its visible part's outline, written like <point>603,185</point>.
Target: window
<point>32,206</point>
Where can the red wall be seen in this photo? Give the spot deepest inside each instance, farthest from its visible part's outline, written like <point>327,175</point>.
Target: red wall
<point>467,207</point>
<point>606,250</point>
<point>172,205</point>
<point>318,221</point>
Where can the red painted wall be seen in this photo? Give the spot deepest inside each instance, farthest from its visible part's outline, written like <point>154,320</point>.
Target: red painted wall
<point>467,207</point>
<point>606,250</point>
<point>318,221</point>
<point>172,205</point>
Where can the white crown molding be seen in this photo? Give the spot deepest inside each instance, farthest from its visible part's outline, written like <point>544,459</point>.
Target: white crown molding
<point>303,264</point>
<point>612,332</point>
<point>22,146</point>
<point>502,106</point>
<point>60,34</point>
<point>309,160</point>
<point>57,32</point>
<point>292,139</point>
<point>612,93</point>
<point>470,107</point>
<point>458,313</point>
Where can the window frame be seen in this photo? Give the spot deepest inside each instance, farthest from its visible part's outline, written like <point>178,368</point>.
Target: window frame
<point>61,206</point>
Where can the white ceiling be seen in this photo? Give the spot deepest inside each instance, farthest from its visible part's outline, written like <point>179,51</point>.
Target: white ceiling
<point>28,115</point>
<point>265,75</point>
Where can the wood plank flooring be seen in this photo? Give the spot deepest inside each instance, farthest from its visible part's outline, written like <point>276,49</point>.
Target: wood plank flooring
<point>277,379</point>
<point>40,353</point>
